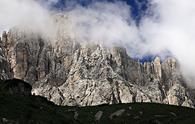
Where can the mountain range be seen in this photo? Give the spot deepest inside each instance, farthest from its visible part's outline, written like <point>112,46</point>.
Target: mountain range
<point>69,72</point>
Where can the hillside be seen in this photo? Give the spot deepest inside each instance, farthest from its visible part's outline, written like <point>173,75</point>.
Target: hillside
<point>28,109</point>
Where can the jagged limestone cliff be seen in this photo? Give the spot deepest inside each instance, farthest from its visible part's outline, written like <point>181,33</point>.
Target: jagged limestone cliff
<point>70,73</point>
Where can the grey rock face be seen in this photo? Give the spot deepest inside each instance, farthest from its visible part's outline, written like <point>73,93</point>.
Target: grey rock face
<point>69,73</point>
<point>5,69</point>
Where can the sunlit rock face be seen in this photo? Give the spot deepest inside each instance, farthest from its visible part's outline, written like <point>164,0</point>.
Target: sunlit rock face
<point>5,69</point>
<point>70,73</point>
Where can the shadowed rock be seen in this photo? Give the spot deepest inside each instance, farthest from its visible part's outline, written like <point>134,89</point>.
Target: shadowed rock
<point>16,87</point>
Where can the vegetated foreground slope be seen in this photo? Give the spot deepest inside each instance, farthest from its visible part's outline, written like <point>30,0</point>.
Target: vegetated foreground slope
<point>23,108</point>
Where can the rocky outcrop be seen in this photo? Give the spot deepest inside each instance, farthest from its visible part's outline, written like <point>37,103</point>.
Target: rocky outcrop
<point>5,69</point>
<point>69,73</point>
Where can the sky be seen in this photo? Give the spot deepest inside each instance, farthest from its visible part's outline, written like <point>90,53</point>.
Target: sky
<point>138,7</point>
<point>146,28</point>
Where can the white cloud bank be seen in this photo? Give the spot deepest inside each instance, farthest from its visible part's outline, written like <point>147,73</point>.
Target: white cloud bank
<point>105,23</point>
<point>173,30</point>
<point>27,14</point>
<point>170,29</point>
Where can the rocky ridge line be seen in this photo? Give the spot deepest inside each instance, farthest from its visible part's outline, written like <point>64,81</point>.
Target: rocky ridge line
<point>69,73</point>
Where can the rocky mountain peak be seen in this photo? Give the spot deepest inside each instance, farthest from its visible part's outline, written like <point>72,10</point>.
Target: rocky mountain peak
<point>157,67</point>
<point>70,73</point>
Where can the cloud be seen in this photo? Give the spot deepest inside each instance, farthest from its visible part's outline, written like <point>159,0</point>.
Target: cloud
<point>52,1</point>
<point>100,22</point>
<point>26,14</point>
<point>172,30</point>
<point>105,23</point>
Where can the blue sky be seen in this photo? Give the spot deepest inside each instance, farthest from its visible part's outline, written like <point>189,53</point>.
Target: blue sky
<point>138,7</point>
